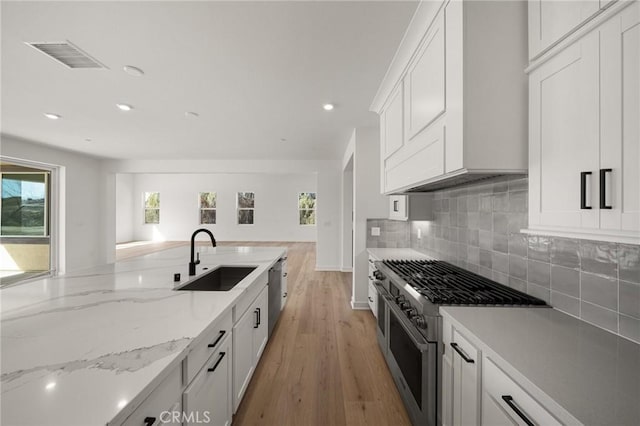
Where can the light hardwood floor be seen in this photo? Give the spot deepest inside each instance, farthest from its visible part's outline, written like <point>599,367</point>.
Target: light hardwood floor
<point>322,365</point>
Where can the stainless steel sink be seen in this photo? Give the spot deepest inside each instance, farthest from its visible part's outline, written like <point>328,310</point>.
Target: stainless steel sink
<point>223,278</point>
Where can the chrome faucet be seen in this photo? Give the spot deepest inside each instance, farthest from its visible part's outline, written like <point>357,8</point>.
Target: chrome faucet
<point>194,262</point>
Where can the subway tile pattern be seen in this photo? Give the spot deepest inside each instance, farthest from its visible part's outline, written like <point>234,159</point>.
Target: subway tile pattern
<point>478,228</point>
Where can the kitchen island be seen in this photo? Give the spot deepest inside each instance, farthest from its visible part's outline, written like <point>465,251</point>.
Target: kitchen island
<point>88,347</point>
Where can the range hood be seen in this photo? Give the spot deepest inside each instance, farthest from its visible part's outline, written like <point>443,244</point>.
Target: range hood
<point>461,178</point>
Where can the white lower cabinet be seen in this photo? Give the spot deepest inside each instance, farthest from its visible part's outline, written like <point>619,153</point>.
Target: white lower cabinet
<point>250,335</point>
<point>283,283</point>
<point>462,362</point>
<point>157,408</point>
<point>208,398</point>
<point>476,390</point>
<point>506,403</point>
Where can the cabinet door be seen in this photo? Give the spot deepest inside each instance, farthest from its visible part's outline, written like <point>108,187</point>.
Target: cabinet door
<point>243,364</point>
<point>260,328</point>
<point>620,123</point>
<point>551,20</point>
<point>425,81</point>
<point>208,397</point>
<point>373,299</point>
<point>564,137</point>
<point>465,360</point>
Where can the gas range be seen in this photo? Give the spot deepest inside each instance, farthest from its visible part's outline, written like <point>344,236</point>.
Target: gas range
<point>409,325</point>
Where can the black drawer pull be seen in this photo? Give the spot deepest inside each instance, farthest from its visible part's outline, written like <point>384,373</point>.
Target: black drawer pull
<point>461,353</point>
<point>285,274</point>
<point>284,295</point>
<point>220,336</point>
<point>603,189</point>
<point>509,400</point>
<point>259,316</point>
<point>370,299</point>
<point>149,421</point>
<point>583,190</point>
<point>218,361</point>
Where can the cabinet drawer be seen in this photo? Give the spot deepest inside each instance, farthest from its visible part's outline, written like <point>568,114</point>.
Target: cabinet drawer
<point>162,399</point>
<point>503,398</point>
<point>214,335</point>
<point>373,299</point>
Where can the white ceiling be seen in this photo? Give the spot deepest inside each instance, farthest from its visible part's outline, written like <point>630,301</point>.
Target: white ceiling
<point>256,72</point>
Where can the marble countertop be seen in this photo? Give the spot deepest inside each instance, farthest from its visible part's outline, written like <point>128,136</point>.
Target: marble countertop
<point>396,254</point>
<point>79,349</point>
<point>591,373</point>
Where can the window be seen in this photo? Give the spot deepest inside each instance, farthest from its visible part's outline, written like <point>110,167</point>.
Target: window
<point>246,206</point>
<point>151,207</point>
<point>24,207</point>
<point>28,218</point>
<point>208,208</point>
<point>307,208</point>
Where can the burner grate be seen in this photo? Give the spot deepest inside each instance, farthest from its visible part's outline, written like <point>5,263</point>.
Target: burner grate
<point>443,283</point>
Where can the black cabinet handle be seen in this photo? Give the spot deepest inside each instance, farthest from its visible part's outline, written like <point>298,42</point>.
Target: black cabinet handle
<point>220,336</point>
<point>218,361</point>
<point>461,353</point>
<point>603,189</point>
<point>284,295</point>
<point>149,421</point>
<point>370,299</point>
<point>257,312</point>
<point>285,274</point>
<point>509,400</point>
<point>583,190</point>
<point>259,316</point>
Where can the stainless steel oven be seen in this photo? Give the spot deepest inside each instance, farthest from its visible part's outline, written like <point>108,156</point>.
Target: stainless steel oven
<point>412,360</point>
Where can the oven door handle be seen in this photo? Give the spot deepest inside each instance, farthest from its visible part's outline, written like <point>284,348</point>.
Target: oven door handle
<point>408,327</point>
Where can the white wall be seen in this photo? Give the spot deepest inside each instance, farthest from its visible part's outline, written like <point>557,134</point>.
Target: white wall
<point>124,208</point>
<point>368,203</point>
<point>83,227</point>
<point>327,184</point>
<point>276,206</point>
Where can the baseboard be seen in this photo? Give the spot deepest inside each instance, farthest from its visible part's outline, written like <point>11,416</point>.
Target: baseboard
<point>346,270</point>
<point>321,268</point>
<point>359,306</point>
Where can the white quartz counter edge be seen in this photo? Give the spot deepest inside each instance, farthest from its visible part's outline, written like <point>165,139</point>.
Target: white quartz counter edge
<point>74,346</point>
<point>583,374</point>
<point>395,254</point>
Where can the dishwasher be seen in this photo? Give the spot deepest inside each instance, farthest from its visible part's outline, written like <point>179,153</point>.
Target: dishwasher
<point>275,296</point>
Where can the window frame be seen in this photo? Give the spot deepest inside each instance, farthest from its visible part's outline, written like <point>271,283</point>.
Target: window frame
<point>314,209</point>
<point>200,208</point>
<point>238,208</point>
<point>145,208</point>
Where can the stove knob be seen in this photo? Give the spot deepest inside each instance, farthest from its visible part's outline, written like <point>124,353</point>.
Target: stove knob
<point>378,275</point>
<point>404,305</point>
<point>411,312</point>
<point>399,299</point>
<point>419,321</point>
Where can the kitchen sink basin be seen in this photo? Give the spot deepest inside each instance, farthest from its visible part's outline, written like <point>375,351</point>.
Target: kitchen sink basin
<point>223,278</point>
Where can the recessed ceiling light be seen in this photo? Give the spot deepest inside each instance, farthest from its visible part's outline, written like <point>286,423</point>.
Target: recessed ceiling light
<point>50,385</point>
<point>191,114</point>
<point>327,107</point>
<point>52,116</point>
<point>124,107</point>
<point>134,71</point>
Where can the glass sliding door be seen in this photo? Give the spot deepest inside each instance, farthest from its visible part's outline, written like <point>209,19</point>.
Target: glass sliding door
<point>25,238</point>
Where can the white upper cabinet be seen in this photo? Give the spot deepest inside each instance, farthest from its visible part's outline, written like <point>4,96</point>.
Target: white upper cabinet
<point>584,152</point>
<point>453,103</point>
<point>551,20</point>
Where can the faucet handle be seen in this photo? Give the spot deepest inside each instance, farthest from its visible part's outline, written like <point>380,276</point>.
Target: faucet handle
<point>197,262</point>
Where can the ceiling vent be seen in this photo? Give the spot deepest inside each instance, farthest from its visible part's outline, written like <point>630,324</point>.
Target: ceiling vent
<point>67,54</point>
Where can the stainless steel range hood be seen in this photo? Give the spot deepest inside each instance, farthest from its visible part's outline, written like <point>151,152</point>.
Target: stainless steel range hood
<point>462,177</point>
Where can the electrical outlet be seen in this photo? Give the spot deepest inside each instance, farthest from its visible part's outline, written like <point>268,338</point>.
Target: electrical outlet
<point>375,231</point>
